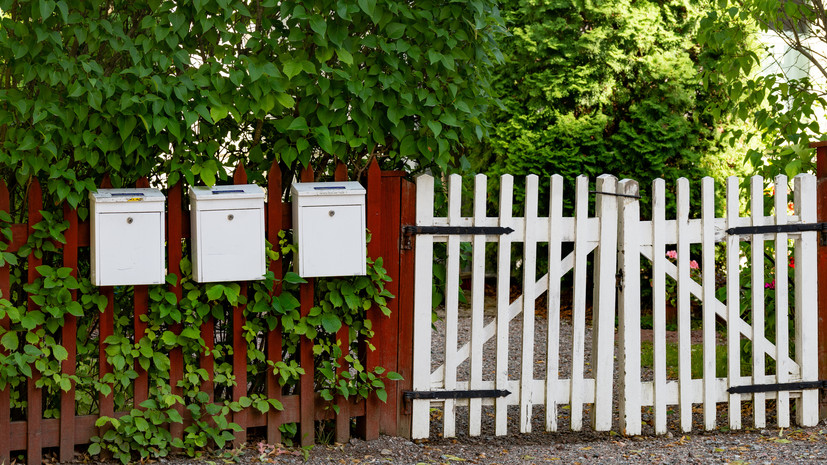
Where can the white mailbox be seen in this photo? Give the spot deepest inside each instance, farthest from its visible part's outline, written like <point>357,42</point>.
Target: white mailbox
<point>227,225</point>
<point>127,237</point>
<point>329,228</point>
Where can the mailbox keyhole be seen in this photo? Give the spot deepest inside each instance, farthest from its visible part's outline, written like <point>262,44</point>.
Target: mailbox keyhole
<point>129,220</point>
<point>230,217</point>
<point>331,213</point>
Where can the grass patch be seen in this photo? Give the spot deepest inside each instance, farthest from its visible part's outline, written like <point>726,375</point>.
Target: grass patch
<point>647,360</point>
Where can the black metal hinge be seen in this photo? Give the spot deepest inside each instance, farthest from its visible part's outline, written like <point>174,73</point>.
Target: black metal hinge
<point>453,230</point>
<point>777,228</point>
<point>472,394</point>
<point>782,228</point>
<point>797,386</point>
<point>408,231</point>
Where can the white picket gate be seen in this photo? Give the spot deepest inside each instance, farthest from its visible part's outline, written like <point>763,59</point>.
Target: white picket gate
<point>618,237</point>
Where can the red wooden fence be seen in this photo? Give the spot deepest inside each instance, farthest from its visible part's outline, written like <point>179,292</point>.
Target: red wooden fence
<point>390,204</point>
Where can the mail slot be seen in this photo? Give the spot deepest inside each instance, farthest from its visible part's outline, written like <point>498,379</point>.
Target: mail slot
<point>127,237</point>
<point>227,224</point>
<point>329,228</point>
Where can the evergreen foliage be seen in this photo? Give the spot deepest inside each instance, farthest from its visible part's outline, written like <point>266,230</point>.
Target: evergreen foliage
<point>604,87</point>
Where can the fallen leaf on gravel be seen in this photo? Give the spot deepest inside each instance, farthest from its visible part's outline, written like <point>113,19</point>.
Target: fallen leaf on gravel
<point>586,448</point>
<point>779,440</point>
<point>718,450</point>
<point>453,457</point>
<point>551,459</point>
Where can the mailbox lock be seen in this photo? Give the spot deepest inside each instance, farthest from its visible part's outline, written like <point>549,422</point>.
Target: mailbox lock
<point>230,217</point>
<point>331,213</point>
<point>129,220</point>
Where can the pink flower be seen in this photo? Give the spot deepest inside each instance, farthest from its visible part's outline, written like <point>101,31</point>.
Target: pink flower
<point>770,285</point>
<point>693,265</point>
<point>673,254</point>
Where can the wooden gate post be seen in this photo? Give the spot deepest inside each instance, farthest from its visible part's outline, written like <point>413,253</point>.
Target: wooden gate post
<point>821,173</point>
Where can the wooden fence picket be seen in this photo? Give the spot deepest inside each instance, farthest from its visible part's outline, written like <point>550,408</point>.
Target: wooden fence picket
<point>477,304</point>
<point>782,306</point>
<point>684,342</point>
<point>420,417</point>
<point>629,309</point>
<point>555,273</point>
<point>503,302</point>
<point>451,305</point>
<point>733,302</point>
<point>603,333</point>
<point>69,339</point>
<point>529,265</point>
<point>34,395</point>
<point>708,310</point>
<point>806,298</point>
<point>581,250</point>
<point>659,393</point>
<point>757,307</point>
<point>5,393</point>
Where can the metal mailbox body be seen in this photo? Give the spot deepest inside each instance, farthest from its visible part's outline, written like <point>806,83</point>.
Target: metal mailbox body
<point>127,237</point>
<point>227,224</point>
<point>329,228</point>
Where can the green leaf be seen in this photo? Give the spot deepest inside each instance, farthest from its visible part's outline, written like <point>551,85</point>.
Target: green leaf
<point>382,395</point>
<point>344,56</point>
<point>10,341</point>
<point>60,353</point>
<point>292,68</point>
<point>318,24</point>
<point>298,124</point>
<point>395,30</point>
<point>285,100</point>
<point>331,323</point>
<point>218,113</point>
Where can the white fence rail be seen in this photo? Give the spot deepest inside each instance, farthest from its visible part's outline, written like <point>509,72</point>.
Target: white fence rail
<point>617,238</point>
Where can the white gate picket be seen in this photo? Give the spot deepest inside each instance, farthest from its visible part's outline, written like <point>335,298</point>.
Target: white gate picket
<point>603,302</point>
<point>423,279</point>
<point>782,306</point>
<point>659,393</point>
<point>581,249</point>
<point>708,310</point>
<point>529,264</point>
<point>503,303</point>
<point>452,306</point>
<point>806,295</point>
<point>733,301</point>
<point>477,304</point>
<point>555,273</point>
<point>629,309</point>
<point>757,308</point>
<point>684,342</point>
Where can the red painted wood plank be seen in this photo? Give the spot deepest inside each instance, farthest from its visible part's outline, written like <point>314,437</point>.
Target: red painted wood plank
<point>306,390</point>
<point>19,236</point>
<point>343,339</point>
<point>240,343</point>
<point>141,306</point>
<point>141,303</point>
<point>34,396</point>
<point>821,172</point>
<point>240,367</point>
<point>69,338</point>
<point>5,394</point>
<point>174,255</point>
<point>404,297</point>
<point>369,425</point>
<point>106,328</point>
<point>386,346</point>
<point>274,343</point>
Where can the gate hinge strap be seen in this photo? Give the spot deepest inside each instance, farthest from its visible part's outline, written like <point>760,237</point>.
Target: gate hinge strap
<point>777,228</point>
<point>797,386</point>
<point>468,394</point>
<point>452,230</point>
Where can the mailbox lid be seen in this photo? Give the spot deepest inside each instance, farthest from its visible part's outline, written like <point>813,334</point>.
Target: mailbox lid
<point>328,193</point>
<point>223,197</point>
<point>127,200</point>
